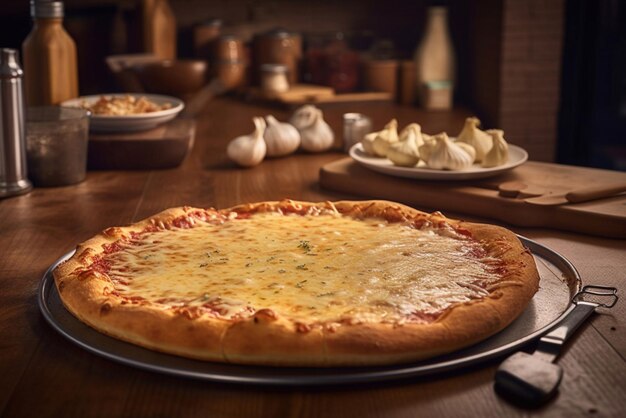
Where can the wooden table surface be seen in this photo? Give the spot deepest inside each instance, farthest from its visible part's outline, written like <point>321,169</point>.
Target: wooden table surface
<point>43,374</point>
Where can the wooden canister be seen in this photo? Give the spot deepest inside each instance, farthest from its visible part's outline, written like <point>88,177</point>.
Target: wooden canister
<point>204,36</point>
<point>228,48</point>
<point>232,74</point>
<point>381,75</point>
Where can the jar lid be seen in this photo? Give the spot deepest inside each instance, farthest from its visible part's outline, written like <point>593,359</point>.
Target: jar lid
<point>280,33</point>
<point>46,8</point>
<point>229,37</point>
<point>353,117</point>
<point>274,68</point>
<point>212,22</point>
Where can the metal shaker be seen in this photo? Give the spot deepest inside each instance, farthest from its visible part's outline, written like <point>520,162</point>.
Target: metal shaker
<point>355,127</point>
<point>13,180</point>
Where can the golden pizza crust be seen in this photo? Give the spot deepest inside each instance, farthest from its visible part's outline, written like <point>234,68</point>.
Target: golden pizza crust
<point>266,339</point>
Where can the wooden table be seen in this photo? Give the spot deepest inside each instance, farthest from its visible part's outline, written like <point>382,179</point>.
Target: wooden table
<point>43,374</point>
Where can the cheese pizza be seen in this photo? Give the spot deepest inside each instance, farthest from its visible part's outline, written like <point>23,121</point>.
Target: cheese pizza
<point>300,284</point>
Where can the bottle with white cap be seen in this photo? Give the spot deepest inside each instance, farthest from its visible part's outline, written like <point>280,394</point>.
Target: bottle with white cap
<point>13,179</point>
<point>50,64</point>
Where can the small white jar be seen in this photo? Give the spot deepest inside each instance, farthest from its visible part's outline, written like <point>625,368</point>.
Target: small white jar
<point>274,78</point>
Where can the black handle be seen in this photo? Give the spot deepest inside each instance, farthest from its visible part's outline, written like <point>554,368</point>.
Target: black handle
<point>550,344</point>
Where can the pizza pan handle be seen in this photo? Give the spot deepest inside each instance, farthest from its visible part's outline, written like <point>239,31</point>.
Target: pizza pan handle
<point>586,301</point>
<point>532,379</point>
<point>595,290</point>
<point>549,345</point>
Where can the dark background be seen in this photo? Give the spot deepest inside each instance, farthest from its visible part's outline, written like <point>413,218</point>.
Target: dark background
<point>592,120</point>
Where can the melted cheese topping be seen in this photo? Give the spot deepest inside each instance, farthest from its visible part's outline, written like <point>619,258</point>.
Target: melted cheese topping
<point>326,268</point>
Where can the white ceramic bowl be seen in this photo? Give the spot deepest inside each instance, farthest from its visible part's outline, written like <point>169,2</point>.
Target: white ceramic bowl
<point>129,123</point>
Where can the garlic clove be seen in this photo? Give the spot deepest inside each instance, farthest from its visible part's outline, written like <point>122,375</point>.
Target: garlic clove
<point>281,138</point>
<point>499,152</point>
<point>414,132</point>
<point>385,138</point>
<point>315,134</point>
<point>469,149</point>
<point>404,153</point>
<point>480,140</point>
<point>446,155</point>
<point>426,148</point>
<point>368,143</point>
<point>249,150</point>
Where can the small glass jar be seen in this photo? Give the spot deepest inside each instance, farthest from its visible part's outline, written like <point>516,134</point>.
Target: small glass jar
<point>341,65</point>
<point>56,145</point>
<point>274,78</point>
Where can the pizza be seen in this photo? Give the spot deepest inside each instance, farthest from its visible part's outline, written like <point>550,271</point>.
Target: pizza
<point>300,284</point>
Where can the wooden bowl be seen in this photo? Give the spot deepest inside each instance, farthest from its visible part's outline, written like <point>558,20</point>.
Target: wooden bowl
<point>180,78</point>
<point>122,67</point>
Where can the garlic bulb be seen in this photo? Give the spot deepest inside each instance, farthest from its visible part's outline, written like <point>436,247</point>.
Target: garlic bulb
<point>368,143</point>
<point>412,131</point>
<point>480,140</point>
<point>426,148</point>
<point>468,148</point>
<point>316,135</point>
<point>281,138</point>
<point>385,138</point>
<point>447,155</point>
<point>249,150</point>
<point>499,152</point>
<point>405,152</point>
<point>303,117</point>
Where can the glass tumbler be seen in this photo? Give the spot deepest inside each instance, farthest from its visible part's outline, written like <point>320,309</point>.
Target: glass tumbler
<point>56,145</point>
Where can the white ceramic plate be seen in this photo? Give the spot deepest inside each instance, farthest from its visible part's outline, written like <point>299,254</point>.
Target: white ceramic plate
<point>129,123</point>
<point>517,156</point>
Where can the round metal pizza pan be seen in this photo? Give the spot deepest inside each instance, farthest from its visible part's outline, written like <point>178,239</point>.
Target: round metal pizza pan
<point>559,282</point>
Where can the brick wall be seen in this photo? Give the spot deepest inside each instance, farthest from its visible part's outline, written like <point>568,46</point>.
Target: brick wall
<point>532,42</point>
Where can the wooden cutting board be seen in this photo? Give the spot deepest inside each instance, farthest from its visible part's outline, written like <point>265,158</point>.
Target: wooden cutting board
<point>605,217</point>
<point>165,146</point>
<point>301,94</point>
